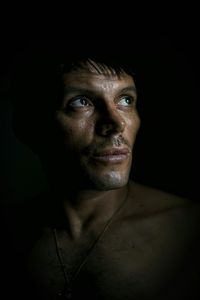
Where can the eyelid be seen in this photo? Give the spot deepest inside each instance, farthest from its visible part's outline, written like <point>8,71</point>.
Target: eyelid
<point>73,99</point>
<point>131,97</point>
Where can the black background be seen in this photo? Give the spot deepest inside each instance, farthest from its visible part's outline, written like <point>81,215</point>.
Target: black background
<point>166,149</point>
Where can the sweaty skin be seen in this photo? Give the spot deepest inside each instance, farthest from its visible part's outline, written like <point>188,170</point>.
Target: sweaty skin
<point>98,116</point>
<point>148,250</point>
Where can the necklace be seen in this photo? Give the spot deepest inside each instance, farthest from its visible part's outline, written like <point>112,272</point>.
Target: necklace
<point>66,293</point>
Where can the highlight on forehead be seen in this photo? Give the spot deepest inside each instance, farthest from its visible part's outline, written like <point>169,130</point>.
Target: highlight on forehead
<point>95,67</point>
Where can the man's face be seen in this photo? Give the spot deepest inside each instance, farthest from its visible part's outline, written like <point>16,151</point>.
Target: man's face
<point>99,122</point>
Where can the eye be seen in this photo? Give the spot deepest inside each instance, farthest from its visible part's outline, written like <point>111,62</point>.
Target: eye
<point>126,101</point>
<point>79,102</point>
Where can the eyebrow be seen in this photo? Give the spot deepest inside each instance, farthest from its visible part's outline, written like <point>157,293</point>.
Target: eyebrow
<point>72,89</point>
<point>130,88</point>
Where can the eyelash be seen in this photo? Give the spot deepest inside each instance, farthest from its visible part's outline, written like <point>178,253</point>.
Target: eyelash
<point>89,102</point>
<point>84,98</point>
<point>130,98</point>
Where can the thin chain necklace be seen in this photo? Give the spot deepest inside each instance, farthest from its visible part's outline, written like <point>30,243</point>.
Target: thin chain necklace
<point>66,293</point>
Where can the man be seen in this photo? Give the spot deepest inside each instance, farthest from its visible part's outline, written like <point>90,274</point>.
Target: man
<point>97,234</point>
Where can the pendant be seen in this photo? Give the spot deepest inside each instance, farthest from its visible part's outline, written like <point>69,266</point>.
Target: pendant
<point>65,294</point>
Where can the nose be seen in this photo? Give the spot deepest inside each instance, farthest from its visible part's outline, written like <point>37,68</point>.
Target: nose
<point>110,122</point>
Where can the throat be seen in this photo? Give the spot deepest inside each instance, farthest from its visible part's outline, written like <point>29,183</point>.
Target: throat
<point>90,212</point>
<point>75,227</point>
<point>72,266</point>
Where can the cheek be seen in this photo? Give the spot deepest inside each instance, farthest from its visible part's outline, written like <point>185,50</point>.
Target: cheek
<point>137,122</point>
<point>133,124</point>
<point>75,133</point>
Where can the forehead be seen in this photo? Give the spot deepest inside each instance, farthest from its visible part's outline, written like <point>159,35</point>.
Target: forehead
<point>88,80</point>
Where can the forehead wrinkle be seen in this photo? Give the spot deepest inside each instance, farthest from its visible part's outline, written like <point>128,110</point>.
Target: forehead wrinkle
<point>96,84</point>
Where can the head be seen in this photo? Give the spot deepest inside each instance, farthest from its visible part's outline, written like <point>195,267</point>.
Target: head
<point>94,123</point>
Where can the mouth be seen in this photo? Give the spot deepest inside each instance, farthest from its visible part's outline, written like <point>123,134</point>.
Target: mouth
<point>113,155</point>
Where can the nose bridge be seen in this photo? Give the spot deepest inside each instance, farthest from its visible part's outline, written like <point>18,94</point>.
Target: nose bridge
<point>114,116</point>
<point>111,120</point>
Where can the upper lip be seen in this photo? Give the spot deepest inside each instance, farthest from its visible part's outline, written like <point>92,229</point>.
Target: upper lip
<point>112,151</point>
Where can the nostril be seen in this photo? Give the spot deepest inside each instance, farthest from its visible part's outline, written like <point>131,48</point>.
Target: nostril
<point>111,127</point>
<point>106,128</point>
<point>110,121</point>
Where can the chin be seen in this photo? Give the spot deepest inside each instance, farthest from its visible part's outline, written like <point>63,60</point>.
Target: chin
<point>110,181</point>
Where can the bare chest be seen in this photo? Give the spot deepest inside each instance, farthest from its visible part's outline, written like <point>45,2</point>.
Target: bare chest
<point>132,261</point>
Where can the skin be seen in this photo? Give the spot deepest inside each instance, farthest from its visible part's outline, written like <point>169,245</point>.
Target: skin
<point>144,251</point>
<point>98,113</point>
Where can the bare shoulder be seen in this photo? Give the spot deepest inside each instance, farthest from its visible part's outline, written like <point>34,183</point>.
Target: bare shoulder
<point>148,200</point>
<point>164,216</point>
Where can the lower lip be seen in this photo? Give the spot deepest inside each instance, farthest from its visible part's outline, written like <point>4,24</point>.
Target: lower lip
<point>111,158</point>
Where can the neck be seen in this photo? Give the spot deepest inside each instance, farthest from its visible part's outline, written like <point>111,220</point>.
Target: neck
<point>87,210</point>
